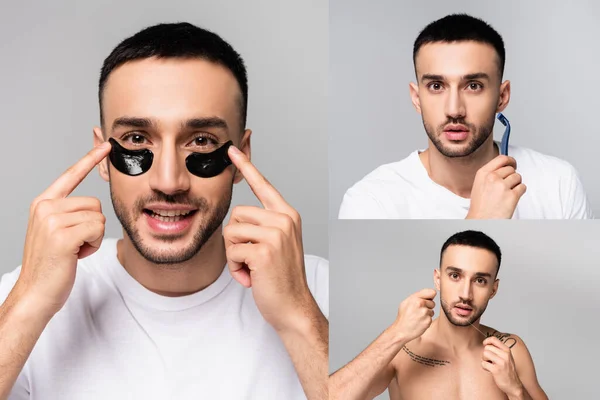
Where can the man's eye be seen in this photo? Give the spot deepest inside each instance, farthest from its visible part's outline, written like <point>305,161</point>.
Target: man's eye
<point>475,86</point>
<point>134,138</point>
<point>205,143</point>
<point>201,141</point>
<point>435,86</point>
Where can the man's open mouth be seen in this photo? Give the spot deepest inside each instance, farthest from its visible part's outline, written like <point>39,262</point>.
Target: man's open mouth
<point>170,215</point>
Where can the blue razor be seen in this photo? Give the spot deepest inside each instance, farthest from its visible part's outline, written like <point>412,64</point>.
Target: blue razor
<point>506,136</point>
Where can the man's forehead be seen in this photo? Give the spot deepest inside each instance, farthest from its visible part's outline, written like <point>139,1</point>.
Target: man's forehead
<point>455,59</point>
<point>469,259</point>
<point>170,69</point>
<point>171,90</point>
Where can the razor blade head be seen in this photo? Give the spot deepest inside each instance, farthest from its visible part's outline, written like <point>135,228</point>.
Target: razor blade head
<point>502,119</point>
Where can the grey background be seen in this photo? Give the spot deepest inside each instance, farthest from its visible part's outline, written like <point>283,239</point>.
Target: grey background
<point>551,60</point>
<point>548,291</point>
<point>51,59</point>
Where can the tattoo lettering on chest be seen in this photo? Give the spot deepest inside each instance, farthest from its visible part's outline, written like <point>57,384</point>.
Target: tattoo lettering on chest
<point>504,338</point>
<point>430,362</point>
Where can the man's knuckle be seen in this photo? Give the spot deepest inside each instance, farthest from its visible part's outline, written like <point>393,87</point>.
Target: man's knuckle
<point>42,208</point>
<point>287,223</point>
<point>264,251</point>
<point>96,204</point>
<point>296,218</point>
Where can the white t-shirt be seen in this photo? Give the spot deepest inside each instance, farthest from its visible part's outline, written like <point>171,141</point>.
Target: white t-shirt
<point>404,190</point>
<point>114,339</point>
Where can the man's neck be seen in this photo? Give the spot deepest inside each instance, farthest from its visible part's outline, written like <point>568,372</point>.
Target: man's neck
<point>458,173</point>
<point>457,339</point>
<point>175,280</point>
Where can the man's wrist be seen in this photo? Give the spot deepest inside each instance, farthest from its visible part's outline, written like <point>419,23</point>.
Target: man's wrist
<point>25,312</point>
<point>304,321</point>
<point>473,215</point>
<point>517,393</point>
<point>396,336</point>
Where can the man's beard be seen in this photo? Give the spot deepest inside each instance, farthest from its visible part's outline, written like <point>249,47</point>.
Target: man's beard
<point>210,222</point>
<point>476,314</point>
<point>480,135</point>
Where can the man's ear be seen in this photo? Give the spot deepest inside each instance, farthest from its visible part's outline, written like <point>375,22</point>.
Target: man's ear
<point>414,96</point>
<point>436,279</point>
<point>246,148</point>
<point>103,165</point>
<point>495,288</point>
<point>504,97</point>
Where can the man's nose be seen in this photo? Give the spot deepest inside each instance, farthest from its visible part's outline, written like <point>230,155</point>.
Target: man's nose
<point>168,173</point>
<point>455,105</point>
<point>466,292</point>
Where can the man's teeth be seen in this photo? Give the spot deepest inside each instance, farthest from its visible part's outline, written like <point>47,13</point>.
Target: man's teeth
<point>171,213</point>
<point>169,216</point>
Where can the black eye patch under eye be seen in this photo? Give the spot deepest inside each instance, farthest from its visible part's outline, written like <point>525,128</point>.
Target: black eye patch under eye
<point>129,162</point>
<point>137,162</point>
<point>207,165</point>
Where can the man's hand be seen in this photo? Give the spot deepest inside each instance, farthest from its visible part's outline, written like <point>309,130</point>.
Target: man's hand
<point>415,314</point>
<point>498,360</point>
<point>497,189</point>
<point>60,231</point>
<point>264,250</point>
<point>371,372</point>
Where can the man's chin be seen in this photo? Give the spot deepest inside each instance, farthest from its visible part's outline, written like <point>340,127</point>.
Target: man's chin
<point>166,241</point>
<point>455,150</point>
<point>167,250</point>
<point>461,322</point>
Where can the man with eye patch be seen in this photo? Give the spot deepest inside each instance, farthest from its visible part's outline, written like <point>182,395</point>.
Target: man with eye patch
<point>453,356</point>
<point>462,174</point>
<point>180,307</point>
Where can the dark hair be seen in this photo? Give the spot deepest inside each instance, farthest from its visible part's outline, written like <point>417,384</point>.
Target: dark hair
<point>473,239</point>
<point>458,28</point>
<point>177,40</point>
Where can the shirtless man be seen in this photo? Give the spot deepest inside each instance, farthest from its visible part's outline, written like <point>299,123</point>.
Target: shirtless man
<point>453,356</point>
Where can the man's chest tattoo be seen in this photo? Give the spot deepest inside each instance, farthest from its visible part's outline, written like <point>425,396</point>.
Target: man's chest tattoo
<point>430,362</point>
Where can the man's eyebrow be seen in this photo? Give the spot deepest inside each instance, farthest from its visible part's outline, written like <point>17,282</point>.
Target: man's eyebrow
<point>134,122</point>
<point>468,77</point>
<point>477,75</point>
<point>209,122</point>
<point>431,77</point>
<point>477,274</point>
